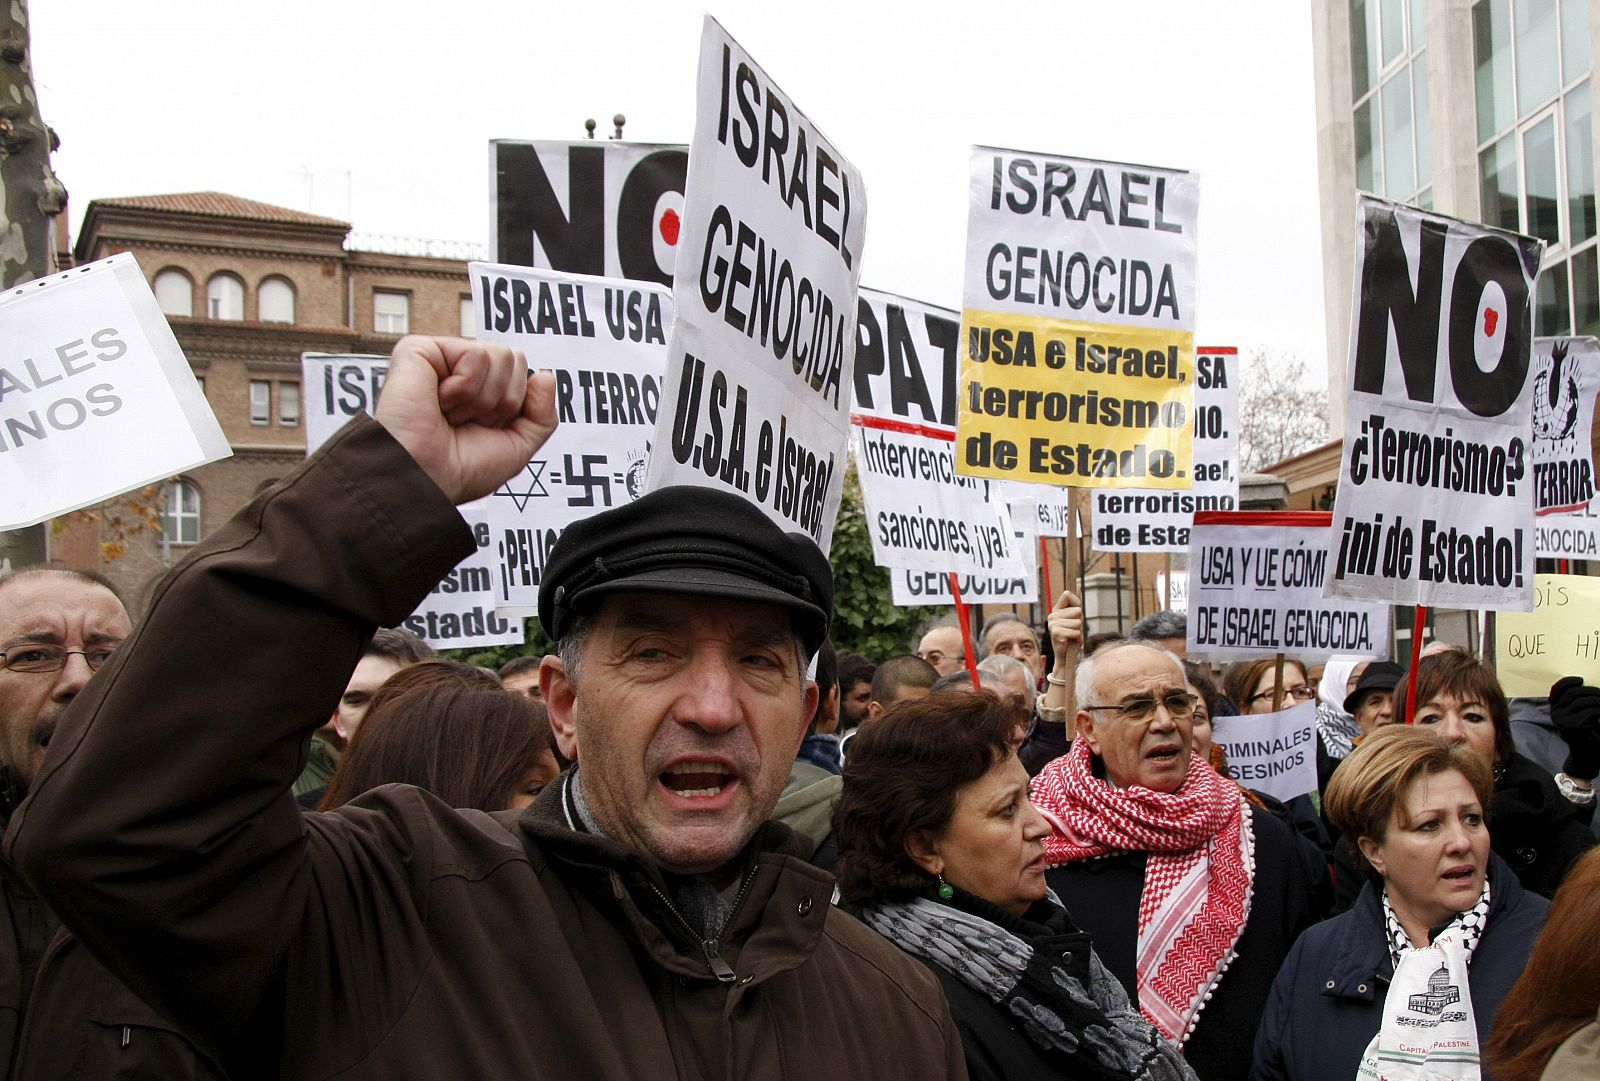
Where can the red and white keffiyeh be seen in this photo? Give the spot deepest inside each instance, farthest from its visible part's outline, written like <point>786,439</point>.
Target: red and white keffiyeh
<point>1197,881</point>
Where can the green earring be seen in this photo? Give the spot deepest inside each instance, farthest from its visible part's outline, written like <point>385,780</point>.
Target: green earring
<point>946,891</point>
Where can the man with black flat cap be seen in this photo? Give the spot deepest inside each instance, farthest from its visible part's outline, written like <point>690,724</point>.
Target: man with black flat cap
<point>642,919</point>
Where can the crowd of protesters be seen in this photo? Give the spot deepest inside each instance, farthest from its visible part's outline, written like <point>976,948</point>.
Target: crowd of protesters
<point>258,836</point>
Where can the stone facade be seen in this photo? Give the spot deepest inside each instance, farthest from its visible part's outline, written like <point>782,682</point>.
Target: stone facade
<point>202,236</point>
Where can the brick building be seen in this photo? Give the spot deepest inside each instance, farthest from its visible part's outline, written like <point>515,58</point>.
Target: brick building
<point>247,287</point>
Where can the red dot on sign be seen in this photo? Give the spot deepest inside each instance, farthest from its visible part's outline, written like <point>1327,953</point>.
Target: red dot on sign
<point>1491,319</point>
<point>669,227</point>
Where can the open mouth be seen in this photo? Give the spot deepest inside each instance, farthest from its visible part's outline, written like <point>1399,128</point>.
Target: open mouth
<point>697,779</point>
<point>1459,876</point>
<point>1164,754</point>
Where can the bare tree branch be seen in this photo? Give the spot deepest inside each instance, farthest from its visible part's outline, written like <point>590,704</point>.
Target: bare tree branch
<point>1279,416</point>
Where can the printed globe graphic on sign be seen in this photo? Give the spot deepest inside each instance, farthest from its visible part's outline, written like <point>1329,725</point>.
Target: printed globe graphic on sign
<point>1555,399</point>
<point>636,472</point>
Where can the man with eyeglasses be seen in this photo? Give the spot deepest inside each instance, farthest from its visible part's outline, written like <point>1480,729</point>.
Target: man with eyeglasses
<point>1192,900</point>
<point>942,648</point>
<point>73,1018</point>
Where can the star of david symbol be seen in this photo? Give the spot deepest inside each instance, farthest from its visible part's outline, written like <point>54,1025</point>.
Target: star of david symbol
<point>532,485</point>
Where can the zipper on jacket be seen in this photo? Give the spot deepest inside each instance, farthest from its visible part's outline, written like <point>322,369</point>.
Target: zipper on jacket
<point>712,947</point>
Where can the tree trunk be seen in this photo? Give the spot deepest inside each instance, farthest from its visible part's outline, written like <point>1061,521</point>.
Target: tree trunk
<point>30,199</point>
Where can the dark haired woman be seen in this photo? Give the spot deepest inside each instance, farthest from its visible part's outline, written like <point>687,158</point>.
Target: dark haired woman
<point>941,852</point>
<point>451,729</point>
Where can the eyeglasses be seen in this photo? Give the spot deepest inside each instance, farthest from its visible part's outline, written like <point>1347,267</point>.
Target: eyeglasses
<point>934,656</point>
<point>1143,710</point>
<point>1299,694</point>
<point>53,658</point>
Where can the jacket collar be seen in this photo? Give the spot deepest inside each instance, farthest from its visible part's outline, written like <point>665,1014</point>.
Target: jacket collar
<point>1363,962</point>
<point>775,926</point>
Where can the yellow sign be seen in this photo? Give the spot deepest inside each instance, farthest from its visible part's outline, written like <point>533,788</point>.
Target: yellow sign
<point>1560,637</point>
<point>1090,405</point>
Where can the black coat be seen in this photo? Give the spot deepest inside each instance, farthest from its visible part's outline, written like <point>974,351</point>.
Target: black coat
<point>1327,1002</point>
<point>997,1049</point>
<point>1103,897</point>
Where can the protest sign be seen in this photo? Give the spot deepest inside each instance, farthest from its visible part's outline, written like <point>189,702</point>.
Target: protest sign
<point>1568,536</point>
<point>1052,506</point>
<point>1559,637</point>
<point>911,589</point>
<point>1435,502</point>
<point>1078,321</point>
<point>459,612</point>
<point>605,339</point>
<point>1275,753</point>
<point>1566,377</point>
<point>1256,586</point>
<point>761,358</point>
<point>920,514</point>
<point>337,387</point>
<point>605,209</point>
<point>1158,520</point>
<point>96,398</point>
<point>1174,587</point>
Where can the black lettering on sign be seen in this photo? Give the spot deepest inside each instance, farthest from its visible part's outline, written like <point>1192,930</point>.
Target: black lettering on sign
<point>573,240</point>
<point>1488,299</point>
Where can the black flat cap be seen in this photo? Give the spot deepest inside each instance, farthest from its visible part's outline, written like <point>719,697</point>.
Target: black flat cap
<point>687,540</point>
<point>1377,676</point>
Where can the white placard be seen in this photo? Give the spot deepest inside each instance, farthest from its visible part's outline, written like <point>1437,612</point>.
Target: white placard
<point>337,387</point>
<point>1078,318</point>
<point>1275,753</point>
<point>1568,536</point>
<point>605,339</point>
<point>761,357</point>
<point>920,514</point>
<point>1178,582</point>
<point>1566,377</point>
<point>911,589</point>
<point>1256,586</point>
<point>96,398</point>
<point>1158,519</point>
<point>607,209</point>
<point>1435,502</point>
<point>459,612</point>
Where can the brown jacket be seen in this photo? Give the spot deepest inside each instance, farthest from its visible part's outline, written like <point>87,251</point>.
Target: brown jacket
<point>396,937</point>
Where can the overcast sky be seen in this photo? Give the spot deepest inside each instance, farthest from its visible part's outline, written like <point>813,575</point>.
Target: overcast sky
<point>381,114</point>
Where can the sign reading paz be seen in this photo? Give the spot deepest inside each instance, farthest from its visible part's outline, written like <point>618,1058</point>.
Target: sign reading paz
<point>760,361</point>
<point>920,514</point>
<point>606,341</point>
<point>1256,586</point>
<point>1435,501</point>
<point>1560,637</point>
<point>1078,321</point>
<point>96,398</point>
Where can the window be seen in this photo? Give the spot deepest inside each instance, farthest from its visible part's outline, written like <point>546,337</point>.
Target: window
<point>224,297</point>
<point>180,521</point>
<point>391,312</point>
<point>1389,80</point>
<point>175,292</point>
<point>276,300</point>
<point>469,318</point>
<point>1536,147</point>
<point>289,404</point>
<point>260,401</point>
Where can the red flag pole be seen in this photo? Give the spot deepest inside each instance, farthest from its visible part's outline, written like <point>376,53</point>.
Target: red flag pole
<point>1044,565</point>
<point>966,628</point>
<point>1419,623</point>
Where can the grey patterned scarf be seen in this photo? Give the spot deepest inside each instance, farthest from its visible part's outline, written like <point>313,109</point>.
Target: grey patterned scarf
<point>1093,1029</point>
<point>1469,923</point>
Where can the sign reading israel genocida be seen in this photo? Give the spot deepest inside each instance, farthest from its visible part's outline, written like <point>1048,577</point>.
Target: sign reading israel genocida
<point>761,357</point>
<point>96,398</point>
<point>1436,490</point>
<point>1078,322</point>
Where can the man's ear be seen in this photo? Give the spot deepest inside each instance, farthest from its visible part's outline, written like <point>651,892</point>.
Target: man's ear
<point>560,700</point>
<point>924,852</point>
<point>337,721</point>
<point>1085,730</point>
<point>874,710</point>
<point>808,709</point>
